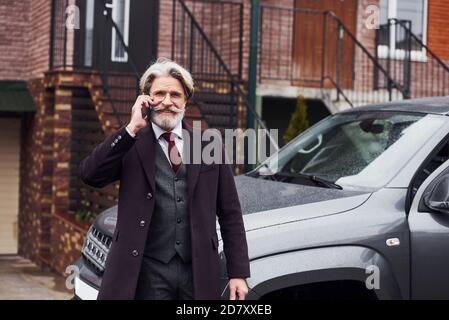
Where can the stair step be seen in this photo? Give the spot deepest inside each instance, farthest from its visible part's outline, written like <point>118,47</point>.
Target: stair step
<point>89,125</point>
<point>82,101</point>
<point>107,105</point>
<point>193,111</point>
<point>121,97</point>
<point>224,109</point>
<point>204,124</point>
<point>217,120</point>
<point>89,136</point>
<point>214,97</point>
<point>222,129</point>
<point>87,115</point>
<point>80,93</point>
<point>223,86</point>
<point>130,87</point>
<point>119,100</point>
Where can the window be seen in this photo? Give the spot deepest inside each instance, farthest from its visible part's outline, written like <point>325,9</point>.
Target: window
<point>441,155</point>
<point>120,15</point>
<point>89,33</point>
<point>392,38</point>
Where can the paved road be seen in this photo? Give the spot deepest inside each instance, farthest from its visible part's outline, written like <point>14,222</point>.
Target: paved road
<point>20,279</point>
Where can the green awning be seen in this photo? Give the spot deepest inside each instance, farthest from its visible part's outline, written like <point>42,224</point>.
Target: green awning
<point>15,97</point>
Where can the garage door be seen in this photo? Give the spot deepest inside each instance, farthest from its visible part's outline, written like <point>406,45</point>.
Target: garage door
<point>9,183</point>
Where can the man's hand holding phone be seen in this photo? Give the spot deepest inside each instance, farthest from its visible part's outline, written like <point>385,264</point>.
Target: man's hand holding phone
<point>140,113</point>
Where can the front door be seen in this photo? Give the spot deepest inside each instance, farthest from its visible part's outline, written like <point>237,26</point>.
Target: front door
<point>100,44</point>
<point>429,242</point>
<point>308,41</point>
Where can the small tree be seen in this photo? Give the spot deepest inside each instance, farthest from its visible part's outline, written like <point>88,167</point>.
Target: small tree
<point>298,120</point>
<point>84,212</point>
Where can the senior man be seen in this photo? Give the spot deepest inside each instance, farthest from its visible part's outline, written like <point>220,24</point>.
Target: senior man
<point>165,244</point>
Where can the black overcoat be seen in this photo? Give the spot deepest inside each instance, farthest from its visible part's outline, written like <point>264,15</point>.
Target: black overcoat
<point>211,193</point>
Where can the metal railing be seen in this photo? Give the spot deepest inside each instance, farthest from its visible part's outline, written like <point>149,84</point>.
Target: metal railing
<point>193,48</point>
<point>409,61</point>
<point>283,54</point>
<point>222,23</point>
<point>349,67</point>
<point>314,49</point>
<point>206,38</point>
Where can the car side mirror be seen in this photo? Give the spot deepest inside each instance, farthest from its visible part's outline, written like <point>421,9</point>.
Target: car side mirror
<point>438,198</point>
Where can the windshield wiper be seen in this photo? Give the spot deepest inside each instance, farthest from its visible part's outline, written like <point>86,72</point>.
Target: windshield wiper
<point>310,177</point>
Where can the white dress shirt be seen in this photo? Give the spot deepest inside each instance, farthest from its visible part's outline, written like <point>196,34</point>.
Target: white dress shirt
<point>158,131</point>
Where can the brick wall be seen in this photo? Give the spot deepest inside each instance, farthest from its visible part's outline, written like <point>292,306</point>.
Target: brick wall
<point>219,22</point>
<point>24,38</point>
<point>14,23</point>
<point>276,45</point>
<point>165,28</point>
<point>35,177</point>
<point>48,234</point>
<point>365,35</point>
<point>39,38</point>
<point>363,77</point>
<point>66,243</point>
<point>427,78</point>
<point>437,17</point>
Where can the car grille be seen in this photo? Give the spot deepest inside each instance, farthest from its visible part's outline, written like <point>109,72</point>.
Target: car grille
<point>95,249</point>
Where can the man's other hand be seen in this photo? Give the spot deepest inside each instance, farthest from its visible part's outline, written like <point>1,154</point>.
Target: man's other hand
<point>237,287</point>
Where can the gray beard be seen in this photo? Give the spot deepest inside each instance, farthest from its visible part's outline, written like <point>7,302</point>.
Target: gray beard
<point>165,122</point>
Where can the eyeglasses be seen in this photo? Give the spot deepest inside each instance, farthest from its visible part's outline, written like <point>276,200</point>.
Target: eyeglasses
<point>175,97</point>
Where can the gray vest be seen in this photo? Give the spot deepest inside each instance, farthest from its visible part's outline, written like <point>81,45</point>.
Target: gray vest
<point>169,230</point>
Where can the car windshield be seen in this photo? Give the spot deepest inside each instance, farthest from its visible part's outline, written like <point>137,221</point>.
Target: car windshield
<point>359,150</point>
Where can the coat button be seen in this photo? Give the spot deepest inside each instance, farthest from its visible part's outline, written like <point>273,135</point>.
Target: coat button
<point>179,199</point>
<point>176,178</point>
<point>179,220</point>
<point>119,137</point>
<point>112,144</point>
<point>135,253</point>
<point>142,223</point>
<point>149,195</point>
<point>178,242</point>
<point>116,140</point>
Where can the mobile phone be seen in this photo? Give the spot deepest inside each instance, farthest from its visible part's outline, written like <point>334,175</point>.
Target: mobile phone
<point>149,112</point>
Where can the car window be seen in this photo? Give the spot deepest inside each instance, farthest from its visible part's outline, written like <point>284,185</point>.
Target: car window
<point>438,158</point>
<point>356,150</point>
<point>345,150</point>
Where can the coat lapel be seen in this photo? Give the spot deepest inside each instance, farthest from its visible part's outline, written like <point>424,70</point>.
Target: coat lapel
<point>146,149</point>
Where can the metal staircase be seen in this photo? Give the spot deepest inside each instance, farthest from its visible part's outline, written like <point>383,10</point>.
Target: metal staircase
<point>220,90</point>
<point>409,61</point>
<point>348,73</point>
<point>193,46</point>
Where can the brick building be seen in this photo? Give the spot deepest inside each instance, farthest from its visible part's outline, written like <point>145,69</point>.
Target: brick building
<point>68,77</point>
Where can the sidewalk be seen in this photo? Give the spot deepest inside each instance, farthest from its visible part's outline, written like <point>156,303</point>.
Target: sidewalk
<point>20,279</point>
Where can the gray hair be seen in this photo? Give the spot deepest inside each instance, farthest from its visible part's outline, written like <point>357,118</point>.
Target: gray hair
<point>165,67</point>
